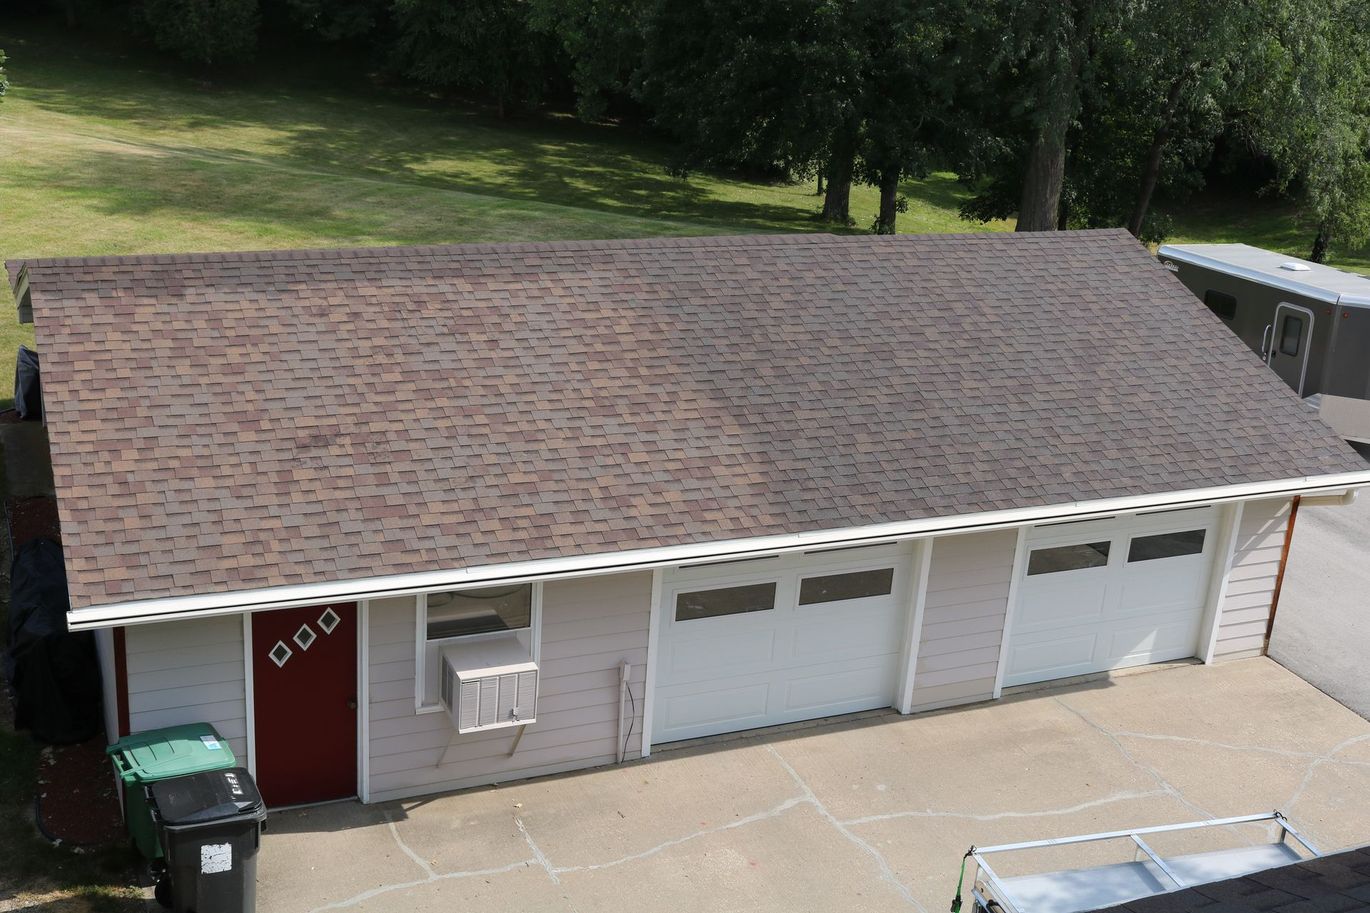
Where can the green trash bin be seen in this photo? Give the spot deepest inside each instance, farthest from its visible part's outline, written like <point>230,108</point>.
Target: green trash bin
<point>160,754</point>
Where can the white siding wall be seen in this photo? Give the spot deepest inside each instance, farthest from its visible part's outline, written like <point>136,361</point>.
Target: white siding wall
<point>963,618</point>
<point>589,627</point>
<point>1251,584</point>
<point>189,672</point>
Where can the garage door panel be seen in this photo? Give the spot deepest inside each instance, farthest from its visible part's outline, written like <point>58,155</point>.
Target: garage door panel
<point>792,662</point>
<point>710,657</point>
<point>686,714</point>
<point>1057,657</point>
<point>1143,605</point>
<point>844,638</point>
<point>1049,603</point>
<point>843,691</point>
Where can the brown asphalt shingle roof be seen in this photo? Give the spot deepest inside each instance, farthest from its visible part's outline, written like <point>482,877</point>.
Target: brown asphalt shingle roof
<point>228,421</point>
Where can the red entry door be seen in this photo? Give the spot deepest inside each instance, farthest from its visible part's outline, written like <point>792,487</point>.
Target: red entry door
<point>304,680</point>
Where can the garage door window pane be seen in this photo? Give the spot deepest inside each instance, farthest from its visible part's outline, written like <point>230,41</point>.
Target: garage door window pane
<point>733,600</point>
<point>1166,545</point>
<point>856,585</point>
<point>1067,558</point>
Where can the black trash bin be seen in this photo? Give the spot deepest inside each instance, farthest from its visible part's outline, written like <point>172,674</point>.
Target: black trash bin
<point>210,827</point>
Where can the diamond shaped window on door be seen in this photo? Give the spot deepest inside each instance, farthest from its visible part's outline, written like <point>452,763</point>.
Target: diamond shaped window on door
<point>305,636</point>
<point>329,620</point>
<point>280,653</point>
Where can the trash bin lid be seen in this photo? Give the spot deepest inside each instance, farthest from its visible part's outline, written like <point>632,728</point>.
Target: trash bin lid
<point>210,796</point>
<point>175,751</point>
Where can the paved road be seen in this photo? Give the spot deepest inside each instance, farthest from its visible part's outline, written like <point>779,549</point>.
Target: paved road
<point>1322,631</point>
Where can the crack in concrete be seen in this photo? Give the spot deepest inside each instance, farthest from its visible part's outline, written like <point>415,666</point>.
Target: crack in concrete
<point>1329,758</point>
<point>1000,816</point>
<point>1165,784</point>
<point>677,841</point>
<point>538,855</point>
<point>431,875</point>
<point>886,872</point>
<point>400,886</point>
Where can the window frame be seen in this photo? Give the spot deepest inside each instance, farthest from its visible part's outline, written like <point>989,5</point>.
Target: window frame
<point>421,641</point>
<point>1284,336</point>
<point>774,584</point>
<point>1226,308</point>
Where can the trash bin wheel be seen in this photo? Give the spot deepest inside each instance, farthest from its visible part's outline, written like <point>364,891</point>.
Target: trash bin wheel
<point>162,893</point>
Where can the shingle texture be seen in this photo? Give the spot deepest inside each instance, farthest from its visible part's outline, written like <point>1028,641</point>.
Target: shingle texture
<point>229,421</point>
<point>1339,883</point>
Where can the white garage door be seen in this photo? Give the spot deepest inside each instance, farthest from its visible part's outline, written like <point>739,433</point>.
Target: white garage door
<point>755,643</point>
<point>1106,594</point>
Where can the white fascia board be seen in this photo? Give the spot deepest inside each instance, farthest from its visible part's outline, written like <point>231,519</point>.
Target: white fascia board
<point>283,597</point>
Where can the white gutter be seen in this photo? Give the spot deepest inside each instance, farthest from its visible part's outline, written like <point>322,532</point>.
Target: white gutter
<point>1327,296</point>
<point>283,597</point>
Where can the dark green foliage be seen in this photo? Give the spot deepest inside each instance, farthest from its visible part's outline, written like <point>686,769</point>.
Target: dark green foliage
<point>484,46</point>
<point>603,40</point>
<point>204,32</point>
<point>339,20</point>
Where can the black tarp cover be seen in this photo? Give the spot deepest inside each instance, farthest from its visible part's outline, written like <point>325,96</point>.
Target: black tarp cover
<point>55,673</point>
<point>28,394</point>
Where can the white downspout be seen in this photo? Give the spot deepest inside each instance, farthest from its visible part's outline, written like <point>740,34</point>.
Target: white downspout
<point>621,749</point>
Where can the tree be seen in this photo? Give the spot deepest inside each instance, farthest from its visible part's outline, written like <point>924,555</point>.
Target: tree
<point>203,32</point>
<point>1312,116</point>
<point>4,77</point>
<point>604,41</point>
<point>759,85</point>
<point>339,20</point>
<point>909,80</point>
<point>484,46</point>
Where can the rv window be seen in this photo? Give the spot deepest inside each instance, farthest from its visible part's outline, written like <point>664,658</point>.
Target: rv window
<point>1290,333</point>
<point>1221,303</point>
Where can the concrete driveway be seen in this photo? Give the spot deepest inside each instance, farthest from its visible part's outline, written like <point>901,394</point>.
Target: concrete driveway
<point>870,814</point>
<point>1322,630</point>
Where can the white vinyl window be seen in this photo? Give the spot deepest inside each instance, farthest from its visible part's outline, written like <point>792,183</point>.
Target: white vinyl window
<point>509,610</point>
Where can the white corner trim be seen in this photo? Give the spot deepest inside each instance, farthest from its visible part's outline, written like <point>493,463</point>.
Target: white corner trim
<point>920,563</point>
<point>1225,554</point>
<point>364,701</point>
<point>1019,567</point>
<point>228,603</point>
<point>421,654</point>
<point>653,657</point>
<point>249,696</point>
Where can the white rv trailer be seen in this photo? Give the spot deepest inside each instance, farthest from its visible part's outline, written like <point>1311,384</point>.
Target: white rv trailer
<point>1309,322</point>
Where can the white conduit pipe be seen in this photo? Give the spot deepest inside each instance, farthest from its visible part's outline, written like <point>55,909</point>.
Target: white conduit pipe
<point>622,748</point>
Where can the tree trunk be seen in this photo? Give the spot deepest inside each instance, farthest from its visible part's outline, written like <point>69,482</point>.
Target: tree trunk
<point>1151,171</point>
<point>1039,209</point>
<point>837,200</point>
<point>1040,206</point>
<point>819,191</point>
<point>1321,243</point>
<point>889,196</point>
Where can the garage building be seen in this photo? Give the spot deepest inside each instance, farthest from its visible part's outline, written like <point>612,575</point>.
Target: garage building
<point>457,515</point>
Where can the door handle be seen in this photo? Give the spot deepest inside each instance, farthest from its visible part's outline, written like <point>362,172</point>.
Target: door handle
<point>352,703</point>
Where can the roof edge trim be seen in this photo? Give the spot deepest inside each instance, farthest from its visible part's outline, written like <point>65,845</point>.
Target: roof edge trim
<point>283,597</point>
<point>1177,252</point>
<point>23,295</point>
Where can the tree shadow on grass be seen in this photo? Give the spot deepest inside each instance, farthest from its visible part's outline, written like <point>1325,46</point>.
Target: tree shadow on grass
<point>548,160</point>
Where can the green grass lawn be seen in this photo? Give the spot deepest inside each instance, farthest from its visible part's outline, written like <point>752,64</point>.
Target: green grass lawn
<point>107,152</point>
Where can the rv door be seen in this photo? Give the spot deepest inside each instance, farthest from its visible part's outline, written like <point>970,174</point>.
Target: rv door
<point>1287,346</point>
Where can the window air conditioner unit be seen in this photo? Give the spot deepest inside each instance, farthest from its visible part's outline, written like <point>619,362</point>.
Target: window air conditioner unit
<point>489,683</point>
